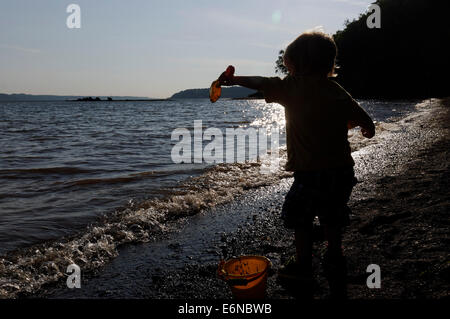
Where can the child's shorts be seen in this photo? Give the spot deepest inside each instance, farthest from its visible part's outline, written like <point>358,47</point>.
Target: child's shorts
<point>320,193</point>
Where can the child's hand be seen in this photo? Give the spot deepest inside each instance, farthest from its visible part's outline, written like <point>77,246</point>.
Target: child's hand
<point>226,80</point>
<point>227,77</point>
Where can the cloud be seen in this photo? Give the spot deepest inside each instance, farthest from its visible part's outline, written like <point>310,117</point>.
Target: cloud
<point>21,49</point>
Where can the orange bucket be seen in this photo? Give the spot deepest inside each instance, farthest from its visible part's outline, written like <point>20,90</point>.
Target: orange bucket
<point>246,276</point>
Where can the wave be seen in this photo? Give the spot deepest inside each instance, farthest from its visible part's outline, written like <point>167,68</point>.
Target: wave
<point>128,178</point>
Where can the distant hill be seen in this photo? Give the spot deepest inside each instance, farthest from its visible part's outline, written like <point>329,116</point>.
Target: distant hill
<point>227,92</point>
<point>31,97</point>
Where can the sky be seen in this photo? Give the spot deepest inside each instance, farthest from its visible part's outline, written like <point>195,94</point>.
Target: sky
<point>151,48</point>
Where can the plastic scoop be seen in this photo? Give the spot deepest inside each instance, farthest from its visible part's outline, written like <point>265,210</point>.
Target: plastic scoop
<point>215,90</point>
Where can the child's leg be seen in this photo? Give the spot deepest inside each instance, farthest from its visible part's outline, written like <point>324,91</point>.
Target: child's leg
<point>298,274</point>
<point>333,235</point>
<point>335,265</point>
<point>300,267</point>
<point>303,244</point>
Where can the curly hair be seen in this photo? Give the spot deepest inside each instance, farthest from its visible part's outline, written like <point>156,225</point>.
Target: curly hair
<point>312,53</point>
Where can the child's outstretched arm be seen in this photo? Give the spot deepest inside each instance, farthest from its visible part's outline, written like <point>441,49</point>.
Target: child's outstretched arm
<point>251,82</point>
<point>272,88</point>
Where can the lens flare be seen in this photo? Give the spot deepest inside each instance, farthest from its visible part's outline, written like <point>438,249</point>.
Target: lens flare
<point>276,16</point>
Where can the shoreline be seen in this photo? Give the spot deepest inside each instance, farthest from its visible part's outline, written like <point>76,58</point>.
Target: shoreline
<point>391,206</point>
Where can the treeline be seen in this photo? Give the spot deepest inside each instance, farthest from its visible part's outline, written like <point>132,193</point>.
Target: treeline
<point>409,56</point>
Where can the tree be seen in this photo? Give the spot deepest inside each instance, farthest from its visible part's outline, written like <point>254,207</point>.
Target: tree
<point>279,64</point>
<point>408,57</point>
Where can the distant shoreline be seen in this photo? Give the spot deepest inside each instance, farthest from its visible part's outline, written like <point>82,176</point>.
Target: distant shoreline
<point>126,100</point>
<point>21,97</point>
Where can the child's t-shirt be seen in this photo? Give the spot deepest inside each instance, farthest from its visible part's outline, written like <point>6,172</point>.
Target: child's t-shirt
<point>317,112</point>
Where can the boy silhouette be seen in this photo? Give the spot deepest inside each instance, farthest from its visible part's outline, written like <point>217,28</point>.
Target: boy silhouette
<point>318,113</point>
